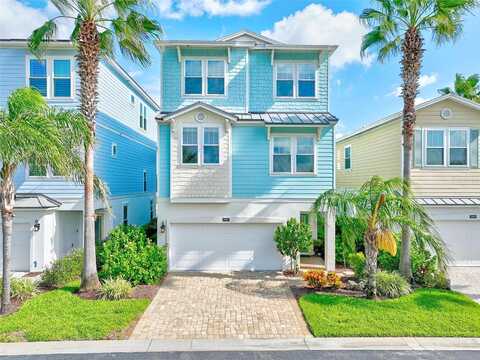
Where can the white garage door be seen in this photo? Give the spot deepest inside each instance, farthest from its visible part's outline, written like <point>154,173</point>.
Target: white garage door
<point>463,240</point>
<point>223,247</point>
<point>21,247</point>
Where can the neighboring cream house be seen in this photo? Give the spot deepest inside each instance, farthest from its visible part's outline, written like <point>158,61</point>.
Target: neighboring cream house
<point>445,166</point>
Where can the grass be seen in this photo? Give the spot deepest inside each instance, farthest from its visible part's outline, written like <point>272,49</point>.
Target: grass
<point>426,312</point>
<point>60,315</point>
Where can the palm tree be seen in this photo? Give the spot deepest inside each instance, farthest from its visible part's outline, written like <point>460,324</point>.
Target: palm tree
<point>99,26</point>
<point>380,208</point>
<point>468,87</point>
<point>398,26</point>
<point>33,133</point>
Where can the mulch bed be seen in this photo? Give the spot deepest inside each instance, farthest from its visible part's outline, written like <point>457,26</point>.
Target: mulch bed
<point>299,291</point>
<point>139,292</point>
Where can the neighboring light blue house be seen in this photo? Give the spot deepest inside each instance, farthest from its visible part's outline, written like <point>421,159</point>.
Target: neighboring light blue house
<point>246,141</point>
<point>48,222</point>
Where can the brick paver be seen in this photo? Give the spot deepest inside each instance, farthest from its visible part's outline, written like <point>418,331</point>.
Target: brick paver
<point>222,306</point>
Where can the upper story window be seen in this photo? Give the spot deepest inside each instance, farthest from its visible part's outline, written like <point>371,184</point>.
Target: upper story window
<point>38,75</point>
<point>201,145</point>
<point>295,80</point>
<point>35,170</point>
<point>204,77</point>
<point>458,147</point>
<point>443,147</point>
<point>62,82</point>
<point>52,76</point>
<point>435,147</point>
<point>347,157</point>
<point>145,180</point>
<point>114,150</point>
<point>293,155</point>
<point>143,117</point>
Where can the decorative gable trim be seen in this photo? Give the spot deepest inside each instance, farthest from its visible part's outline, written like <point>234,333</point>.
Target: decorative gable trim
<point>250,34</point>
<point>195,106</point>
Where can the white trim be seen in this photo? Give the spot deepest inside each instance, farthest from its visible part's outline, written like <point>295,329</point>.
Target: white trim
<point>233,220</point>
<point>197,200</point>
<point>207,107</point>
<point>446,147</point>
<point>247,81</point>
<point>248,33</point>
<point>349,146</point>
<point>269,200</point>
<point>204,66</point>
<point>467,130</point>
<point>425,148</point>
<point>200,144</point>
<point>295,64</point>
<point>293,154</point>
<point>421,106</point>
<point>189,126</point>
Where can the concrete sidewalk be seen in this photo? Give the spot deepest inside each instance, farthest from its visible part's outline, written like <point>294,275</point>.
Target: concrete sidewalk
<point>308,343</point>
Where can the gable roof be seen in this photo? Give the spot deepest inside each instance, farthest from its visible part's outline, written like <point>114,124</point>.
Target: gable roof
<point>250,34</point>
<point>67,44</point>
<point>194,106</point>
<point>395,116</point>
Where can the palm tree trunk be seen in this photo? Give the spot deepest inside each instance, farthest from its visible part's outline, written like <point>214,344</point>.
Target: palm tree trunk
<point>88,62</point>
<point>411,66</point>
<point>371,253</point>
<point>7,196</point>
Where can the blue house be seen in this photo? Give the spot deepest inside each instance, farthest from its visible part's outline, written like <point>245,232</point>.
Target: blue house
<point>49,218</point>
<point>246,141</point>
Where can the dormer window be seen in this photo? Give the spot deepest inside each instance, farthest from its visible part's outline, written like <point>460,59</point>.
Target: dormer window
<point>295,80</point>
<point>204,77</point>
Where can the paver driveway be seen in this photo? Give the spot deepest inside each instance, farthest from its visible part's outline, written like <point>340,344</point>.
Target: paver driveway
<point>222,306</point>
<point>466,280</point>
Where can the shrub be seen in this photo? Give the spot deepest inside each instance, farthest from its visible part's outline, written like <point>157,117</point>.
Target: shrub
<point>391,284</point>
<point>320,279</point>
<point>388,262</point>
<point>357,263</point>
<point>129,254</point>
<point>115,289</point>
<point>22,289</point>
<point>151,230</point>
<point>64,270</point>
<point>293,238</point>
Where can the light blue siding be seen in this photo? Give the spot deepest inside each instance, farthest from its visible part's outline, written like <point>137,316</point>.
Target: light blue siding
<point>251,161</point>
<point>233,101</point>
<point>164,161</point>
<point>124,173</point>
<point>261,83</point>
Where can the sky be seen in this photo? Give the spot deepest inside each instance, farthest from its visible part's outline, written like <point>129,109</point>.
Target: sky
<point>362,90</point>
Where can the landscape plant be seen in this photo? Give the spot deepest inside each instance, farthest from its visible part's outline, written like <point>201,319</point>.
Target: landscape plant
<point>127,253</point>
<point>99,27</point>
<point>398,27</point>
<point>63,270</point>
<point>23,288</point>
<point>391,284</point>
<point>115,289</point>
<point>382,208</point>
<point>467,87</point>
<point>33,133</point>
<point>319,279</point>
<point>291,239</point>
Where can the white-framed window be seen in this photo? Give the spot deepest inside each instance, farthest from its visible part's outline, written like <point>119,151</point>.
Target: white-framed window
<point>190,145</point>
<point>211,145</point>
<point>145,117</point>
<point>347,157</point>
<point>145,177</point>
<point>458,147</point>
<point>204,77</point>
<point>38,171</point>
<point>132,99</point>
<point>52,76</point>
<point>295,80</point>
<point>293,154</point>
<point>435,147</point>
<point>114,150</point>
<point>125,214</point>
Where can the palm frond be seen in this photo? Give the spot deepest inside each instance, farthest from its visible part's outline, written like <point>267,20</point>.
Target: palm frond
<point>41,36</point>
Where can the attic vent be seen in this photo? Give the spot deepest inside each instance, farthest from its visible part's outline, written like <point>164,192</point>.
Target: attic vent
<point>200,117</point>
<point>446,113</point>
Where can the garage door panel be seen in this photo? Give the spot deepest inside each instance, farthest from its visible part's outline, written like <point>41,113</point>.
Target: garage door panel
<point>462,239</point>
<point>223,247</point>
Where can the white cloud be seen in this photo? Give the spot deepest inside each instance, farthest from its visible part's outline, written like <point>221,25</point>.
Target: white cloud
<point>178,9</point>
<point>18,20</point>
<point>317,24</point>
<point>423,81</point>
<point>419,100</point>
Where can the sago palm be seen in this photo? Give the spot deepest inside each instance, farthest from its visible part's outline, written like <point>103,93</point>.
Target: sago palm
<point>100,26</point>
<point>399,26</point>
<point>380,208</point>
<point>31,132</point>
<point>467,87</point>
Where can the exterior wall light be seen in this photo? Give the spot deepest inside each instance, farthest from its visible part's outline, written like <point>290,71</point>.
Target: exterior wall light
<point>36,226</point>
<point>163,228</point>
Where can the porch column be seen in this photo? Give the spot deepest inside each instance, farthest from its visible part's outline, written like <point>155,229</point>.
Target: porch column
<point>329,240</point>
<point>312,220</point>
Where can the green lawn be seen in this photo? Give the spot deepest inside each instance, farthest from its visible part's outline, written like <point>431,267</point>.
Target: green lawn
<point>424,313</point>
<point>60,315</point>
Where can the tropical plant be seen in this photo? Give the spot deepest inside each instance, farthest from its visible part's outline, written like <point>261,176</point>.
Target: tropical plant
<point>64,270</point>
<point>33,133</point>
<point>319,279</point>
<point>398,26</point>
<point>467,87</point>
<point>99,26</point>
<point>23,288</point>
<point>391,284</point>
<point>293,238</point>
<point>382,207</point>
<point>115,289</point>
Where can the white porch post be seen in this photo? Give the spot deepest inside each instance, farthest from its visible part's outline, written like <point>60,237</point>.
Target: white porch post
<point>330,240</point>
<point>312,219</point>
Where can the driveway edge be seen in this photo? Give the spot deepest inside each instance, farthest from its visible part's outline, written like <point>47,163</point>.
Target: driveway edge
<point>307,343</point>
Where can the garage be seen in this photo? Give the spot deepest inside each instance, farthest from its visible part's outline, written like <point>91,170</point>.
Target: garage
<point>462,239</point>
<point>223,247</point>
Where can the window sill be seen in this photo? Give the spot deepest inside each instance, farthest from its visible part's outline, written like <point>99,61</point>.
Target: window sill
<point>293,175</point>
<point>200,96</point>
<point>282,98</point>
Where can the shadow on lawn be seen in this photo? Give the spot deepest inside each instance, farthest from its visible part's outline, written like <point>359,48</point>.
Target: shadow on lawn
<point>438,299</point>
